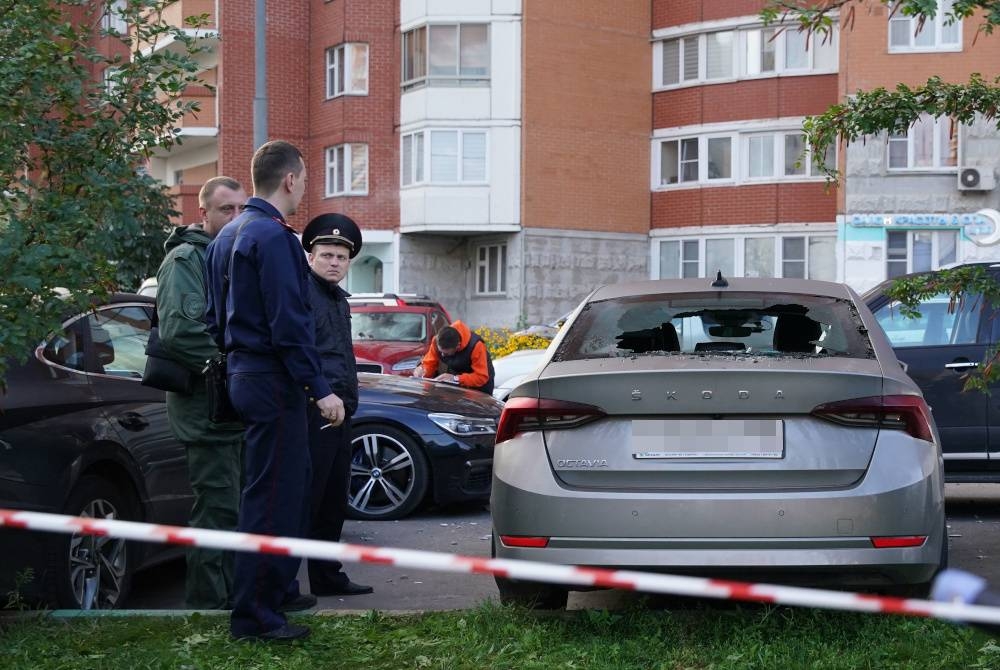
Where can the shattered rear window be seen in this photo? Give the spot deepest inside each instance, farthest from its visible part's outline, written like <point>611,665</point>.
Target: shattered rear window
<point>717,324</point>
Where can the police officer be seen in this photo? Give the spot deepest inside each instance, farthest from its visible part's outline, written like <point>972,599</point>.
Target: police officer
<point>258,307</point>
<point>331,241</point>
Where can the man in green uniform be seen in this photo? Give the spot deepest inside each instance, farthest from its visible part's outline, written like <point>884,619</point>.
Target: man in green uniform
<point>213,450</point>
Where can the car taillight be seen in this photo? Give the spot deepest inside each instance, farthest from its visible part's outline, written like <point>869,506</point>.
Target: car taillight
<point>897,412</point>
<point>534,542</point>
<point>525,414</point>
<point>898,541</point>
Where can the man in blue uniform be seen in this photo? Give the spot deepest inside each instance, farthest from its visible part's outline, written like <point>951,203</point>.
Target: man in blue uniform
<point>258,310</point>
<point>331,241</point>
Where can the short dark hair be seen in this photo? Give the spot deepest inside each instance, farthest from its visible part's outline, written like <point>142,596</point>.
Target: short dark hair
<point>271,162</point>
<point>448,338</point>
<point>210,186</point>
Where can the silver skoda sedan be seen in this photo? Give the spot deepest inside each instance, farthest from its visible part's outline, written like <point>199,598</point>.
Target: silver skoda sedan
<point>744,428</point>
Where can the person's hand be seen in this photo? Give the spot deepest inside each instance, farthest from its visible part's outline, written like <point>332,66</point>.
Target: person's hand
<point>418,371</point>
<point>447,377</point>
<point>331,408</point>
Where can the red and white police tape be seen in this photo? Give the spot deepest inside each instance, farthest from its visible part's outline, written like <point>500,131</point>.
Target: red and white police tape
<point>516,569</point>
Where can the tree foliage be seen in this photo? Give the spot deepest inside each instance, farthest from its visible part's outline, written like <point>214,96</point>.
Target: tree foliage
<point>870,113</point>
<point>82,106</point>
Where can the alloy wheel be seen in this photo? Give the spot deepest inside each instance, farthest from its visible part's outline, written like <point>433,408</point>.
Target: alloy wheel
<point>97,565</point>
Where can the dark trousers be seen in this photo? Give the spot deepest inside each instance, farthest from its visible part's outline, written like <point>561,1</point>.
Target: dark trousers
<point>214,471</point>
<point>276,470</point>
<point>330,450</point>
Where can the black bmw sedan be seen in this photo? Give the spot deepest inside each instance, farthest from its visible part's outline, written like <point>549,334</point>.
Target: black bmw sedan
<point>80,435</point>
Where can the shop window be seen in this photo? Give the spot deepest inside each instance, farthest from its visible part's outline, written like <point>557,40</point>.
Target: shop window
<point>919,250</point>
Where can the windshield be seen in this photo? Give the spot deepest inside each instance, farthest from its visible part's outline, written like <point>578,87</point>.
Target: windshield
<point>388,326</point>
<point>713,324</point>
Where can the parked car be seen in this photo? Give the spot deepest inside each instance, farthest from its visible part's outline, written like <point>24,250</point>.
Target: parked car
<point>80,435</point>
<point>938,349</point>
<point>147,287</point>
<point>546,330</point>
<point>788,445</point>
<point>510,370</point>
<point>415,440</point>
<point>395,330</point>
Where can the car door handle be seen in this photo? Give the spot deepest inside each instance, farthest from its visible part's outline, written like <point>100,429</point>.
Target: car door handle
<point>959,365</point>
<point>133,421</point>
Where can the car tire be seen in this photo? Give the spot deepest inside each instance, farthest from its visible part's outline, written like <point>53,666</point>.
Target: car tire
<point>389,473</point>
<point>534,595</point>
<point>93,572</point>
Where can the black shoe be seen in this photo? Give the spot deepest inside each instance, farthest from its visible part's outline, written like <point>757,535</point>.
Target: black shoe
<point>303,601</point>
<point>348,589</point>
<point>286,633</point>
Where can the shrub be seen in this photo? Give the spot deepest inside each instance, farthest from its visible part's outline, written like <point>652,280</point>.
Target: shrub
<point>503,341</point>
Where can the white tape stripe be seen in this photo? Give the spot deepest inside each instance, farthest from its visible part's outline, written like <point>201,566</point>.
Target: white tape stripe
<point>516,569</point>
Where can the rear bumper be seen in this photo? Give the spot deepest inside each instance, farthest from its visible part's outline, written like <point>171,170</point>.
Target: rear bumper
<point>817,536</point>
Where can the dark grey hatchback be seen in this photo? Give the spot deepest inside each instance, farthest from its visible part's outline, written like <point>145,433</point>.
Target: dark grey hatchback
<point>939,349</point>
<point>80,435</point>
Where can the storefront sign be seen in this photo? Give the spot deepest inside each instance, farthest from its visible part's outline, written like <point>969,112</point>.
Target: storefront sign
<point>982,227</point>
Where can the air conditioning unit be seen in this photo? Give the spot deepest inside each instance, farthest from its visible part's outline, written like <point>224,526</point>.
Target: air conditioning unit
<point>976,179</point>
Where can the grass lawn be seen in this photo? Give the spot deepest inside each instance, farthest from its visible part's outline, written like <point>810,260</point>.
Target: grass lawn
<point>493,636</point>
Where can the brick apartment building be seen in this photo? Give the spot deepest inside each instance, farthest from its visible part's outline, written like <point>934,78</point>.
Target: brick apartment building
<point>507,156</point>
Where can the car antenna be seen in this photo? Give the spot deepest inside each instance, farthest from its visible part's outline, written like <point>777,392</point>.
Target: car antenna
<point>720,281</point>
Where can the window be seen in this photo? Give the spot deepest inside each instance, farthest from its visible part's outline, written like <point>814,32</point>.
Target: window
<point>449,55</point>
<point>347,170</point>
<point>793,255</point>
<point>939,323</point>
<point>683,57</point>
<point>491,270</point>
<point>752,52</point>
<point>919,250</point>
<point>455,157</point>
<point>347,70</point>
<point>930,143</point>
<point>680,160</point>
<point>113,20</point>
<point>412,160</point>
<point>762,156</point>
<point>940,32</point>
<point>778,155</point>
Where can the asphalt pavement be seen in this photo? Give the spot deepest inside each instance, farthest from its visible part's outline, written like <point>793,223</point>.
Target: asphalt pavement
<point>973,512</point>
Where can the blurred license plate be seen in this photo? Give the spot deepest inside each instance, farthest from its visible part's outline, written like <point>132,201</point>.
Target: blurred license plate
<point>705,438</point>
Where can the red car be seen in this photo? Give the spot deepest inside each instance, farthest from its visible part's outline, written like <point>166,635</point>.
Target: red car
<point>395,330</point>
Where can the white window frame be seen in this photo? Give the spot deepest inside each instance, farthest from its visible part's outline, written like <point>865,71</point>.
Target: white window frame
<point>487,271</point>
<point>936,263</point>
<point>739,136</point>
<point>703,162</point>
<point>419,173</point>
<point>113,21</point>
<point>778,150</point>
<point>937,24</point>
<point>425,78</point>
<point>348,150</point>
<point>340,63</point>
<point>741,66</point>
<point>738,240</point>
<point>938,152</point>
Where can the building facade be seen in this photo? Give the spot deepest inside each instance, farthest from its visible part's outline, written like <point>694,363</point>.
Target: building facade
<point>508,156</point>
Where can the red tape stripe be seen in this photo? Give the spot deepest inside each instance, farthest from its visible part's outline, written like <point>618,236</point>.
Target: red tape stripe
<point>742,591</point>
<point>606,578</point>
<point>8,519</point>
